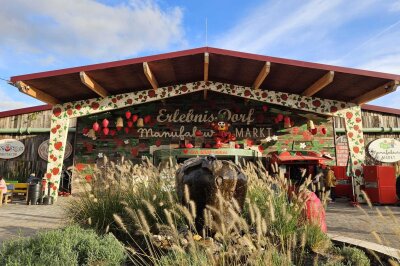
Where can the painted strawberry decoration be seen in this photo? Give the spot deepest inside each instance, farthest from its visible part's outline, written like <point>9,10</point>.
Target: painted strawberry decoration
<point>247,93</point>
<point>57,112</point>
<point>316,103</point>
<point>48,175</point>
<point>349,115</point>
<point>78,107</point>
<point>54,130</point>
<point>58,145</point>
<point>350,134</point>
<point>129,101</point>
<point>55,171</point>
<point>95,105</point>
<point>356,149</point>
<point>264,95</point>
<point>333,109</point>
<point>151,93</point>
<point>184,89</point>
<point>284,97</point>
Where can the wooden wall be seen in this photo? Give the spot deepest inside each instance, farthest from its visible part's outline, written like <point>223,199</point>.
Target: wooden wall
<point>29,162</point>
<point>373,119</point>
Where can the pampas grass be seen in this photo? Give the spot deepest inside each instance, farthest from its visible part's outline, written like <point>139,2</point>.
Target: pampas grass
<point>139,205</point>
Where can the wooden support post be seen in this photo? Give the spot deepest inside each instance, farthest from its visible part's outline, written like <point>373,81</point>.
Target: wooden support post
<point>206,64</point>
<point>151,78</point>
<point>324,81</point>
<point>376,93</point>
<point>262,75</point>
<point>36,93</point>
<point>93,85</point>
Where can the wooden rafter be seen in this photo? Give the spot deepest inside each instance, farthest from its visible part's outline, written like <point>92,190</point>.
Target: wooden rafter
<point>36,93</point>
<point>206,64</point>
<point>262,75</point>
<point>150,76</point>
<point>378,92</point>
<point>93,85</point>
<point>324,81</point>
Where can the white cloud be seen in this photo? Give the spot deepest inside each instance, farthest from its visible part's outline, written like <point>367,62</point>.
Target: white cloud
<point>9,103</point>
<point>287,24</point>
<point>88,29</point>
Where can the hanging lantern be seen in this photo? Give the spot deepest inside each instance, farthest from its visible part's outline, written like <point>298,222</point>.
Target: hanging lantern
<point>113,132</point>
<point>126,130</point>
<point>106,130</point>
<point>158,143</point>
<point>120,123</point>
<point>85,131</point>
<point>91,134</point>
<point>96,126</point>
<point>129,123</point>
<point>128,114</point>
<point>310,125</point>
<point>105,122</point>
<point>323,130</point>
<point>140,122</point>
<point>265,108</point>
<point>314,131</point>
<point>147,119</point>
<point>135,118</point>
<point>279,117</point>
<point>286,122</point>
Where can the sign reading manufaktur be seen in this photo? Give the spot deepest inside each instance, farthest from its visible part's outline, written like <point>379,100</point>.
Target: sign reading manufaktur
<point>385,150</point>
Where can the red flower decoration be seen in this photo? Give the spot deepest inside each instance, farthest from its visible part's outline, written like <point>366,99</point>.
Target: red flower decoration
<point>88,178</point>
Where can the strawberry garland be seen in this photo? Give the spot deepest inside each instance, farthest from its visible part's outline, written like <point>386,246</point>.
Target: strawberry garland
<point>62,113</point>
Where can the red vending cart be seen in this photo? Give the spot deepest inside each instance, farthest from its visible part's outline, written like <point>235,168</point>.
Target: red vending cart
<point>343,182</point>
<point>380,184</point>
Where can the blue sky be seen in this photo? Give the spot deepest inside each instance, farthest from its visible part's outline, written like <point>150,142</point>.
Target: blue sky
<point>43,35</point>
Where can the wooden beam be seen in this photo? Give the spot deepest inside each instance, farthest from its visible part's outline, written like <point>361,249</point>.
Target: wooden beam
<point>324,81</point>
<point>262,75</point>
<point>378,92</point>
<point>36,93</point>
<point>150,76</point>
<point>93,85</point>
<point>206,63</point>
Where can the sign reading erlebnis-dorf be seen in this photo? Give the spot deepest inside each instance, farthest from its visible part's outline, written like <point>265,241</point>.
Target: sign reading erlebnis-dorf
<point>11,148</point>
<point>385,150</point>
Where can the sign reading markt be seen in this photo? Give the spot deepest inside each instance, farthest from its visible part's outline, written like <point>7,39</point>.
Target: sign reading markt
<point>385,150</point>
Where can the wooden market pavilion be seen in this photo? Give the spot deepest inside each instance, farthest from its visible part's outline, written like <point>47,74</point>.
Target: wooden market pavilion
<point>316,88</point>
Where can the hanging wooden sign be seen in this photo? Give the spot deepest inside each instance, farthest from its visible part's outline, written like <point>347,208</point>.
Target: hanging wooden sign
<point>43,150</point>
<point>385,150</point>
<point>11,148</point>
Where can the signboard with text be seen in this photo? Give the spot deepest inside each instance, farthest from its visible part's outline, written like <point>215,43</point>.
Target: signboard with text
<point>385,150</point>
<point>11,148</point>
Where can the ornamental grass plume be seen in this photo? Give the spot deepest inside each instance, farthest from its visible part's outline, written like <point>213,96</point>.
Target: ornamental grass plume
<point>139,205</point>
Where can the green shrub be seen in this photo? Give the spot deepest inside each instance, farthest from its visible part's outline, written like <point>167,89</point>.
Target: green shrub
<point>69,246</point>
<point>355,256</point>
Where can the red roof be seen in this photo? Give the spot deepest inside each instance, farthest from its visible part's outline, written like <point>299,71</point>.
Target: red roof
<point>286,75</point>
